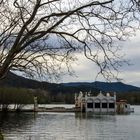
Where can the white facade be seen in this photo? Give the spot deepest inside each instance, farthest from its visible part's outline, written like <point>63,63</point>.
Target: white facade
<point>100,103</point>
<point>96,104</point>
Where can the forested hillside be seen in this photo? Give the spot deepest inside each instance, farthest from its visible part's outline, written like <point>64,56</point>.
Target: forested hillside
<point>17,89</point>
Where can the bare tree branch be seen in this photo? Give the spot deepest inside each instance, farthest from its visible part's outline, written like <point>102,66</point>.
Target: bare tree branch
<point>41,37</point>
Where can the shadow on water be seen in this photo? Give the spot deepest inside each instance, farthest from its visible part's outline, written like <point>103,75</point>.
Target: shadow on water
<point>12,121</point>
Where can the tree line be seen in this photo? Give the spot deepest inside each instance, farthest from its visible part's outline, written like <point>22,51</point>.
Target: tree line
<point>16,96</point>
<point>132,97</point>
<point>21,96</point>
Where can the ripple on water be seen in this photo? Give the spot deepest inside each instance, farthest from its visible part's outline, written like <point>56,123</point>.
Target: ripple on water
<point>70,126</point>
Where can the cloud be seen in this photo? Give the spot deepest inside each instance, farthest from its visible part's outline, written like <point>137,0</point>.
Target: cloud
<point>132,77</point>
<point>131,74</point>
<point>86,70</point>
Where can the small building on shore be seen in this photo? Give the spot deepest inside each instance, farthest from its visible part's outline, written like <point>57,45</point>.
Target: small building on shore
<point>123,107</point>
<point>100,103</point>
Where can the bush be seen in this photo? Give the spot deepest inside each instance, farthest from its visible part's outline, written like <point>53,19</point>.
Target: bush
<point>1,136</point>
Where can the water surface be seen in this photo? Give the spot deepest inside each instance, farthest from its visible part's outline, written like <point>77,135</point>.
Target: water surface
<point>70,126</point>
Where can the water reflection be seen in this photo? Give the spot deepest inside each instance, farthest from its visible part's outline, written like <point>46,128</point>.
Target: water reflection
<point>15,121</point>
<point>69,126</point>
<point>95,117</point>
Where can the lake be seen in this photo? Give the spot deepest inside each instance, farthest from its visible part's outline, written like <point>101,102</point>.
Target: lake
<point>70,126</point>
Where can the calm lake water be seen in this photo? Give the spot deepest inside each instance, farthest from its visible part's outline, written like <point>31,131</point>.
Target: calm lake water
<point>70,126</point>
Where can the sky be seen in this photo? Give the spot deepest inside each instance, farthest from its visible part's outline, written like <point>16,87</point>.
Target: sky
<point>86,70</point>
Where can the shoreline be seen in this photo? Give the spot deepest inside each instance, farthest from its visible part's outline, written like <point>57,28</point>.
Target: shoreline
<point>41,109</point>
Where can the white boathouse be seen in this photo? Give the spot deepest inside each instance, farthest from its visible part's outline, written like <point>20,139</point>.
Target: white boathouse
<point>100,103</point>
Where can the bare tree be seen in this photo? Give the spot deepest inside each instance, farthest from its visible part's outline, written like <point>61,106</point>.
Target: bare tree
<point>41,36</point>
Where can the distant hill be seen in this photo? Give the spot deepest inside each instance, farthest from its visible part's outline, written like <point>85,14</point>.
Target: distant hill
<point>115,87</point>
<point>106,86</point>
<point>13,80</point>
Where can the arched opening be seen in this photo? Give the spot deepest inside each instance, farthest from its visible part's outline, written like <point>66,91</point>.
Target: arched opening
<point>97,103</point>
<point>111,104</point>
<point>89,103</point>
<point>104,103</point>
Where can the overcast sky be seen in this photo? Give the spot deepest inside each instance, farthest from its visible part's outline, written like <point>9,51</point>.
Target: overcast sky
<point>86,71</point>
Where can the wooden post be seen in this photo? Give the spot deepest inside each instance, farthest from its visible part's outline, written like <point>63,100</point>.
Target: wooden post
<point>35,104</point>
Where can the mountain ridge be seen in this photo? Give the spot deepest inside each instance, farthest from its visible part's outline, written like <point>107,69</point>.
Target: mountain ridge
<point>13,80</point>
<point>107,86</point>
